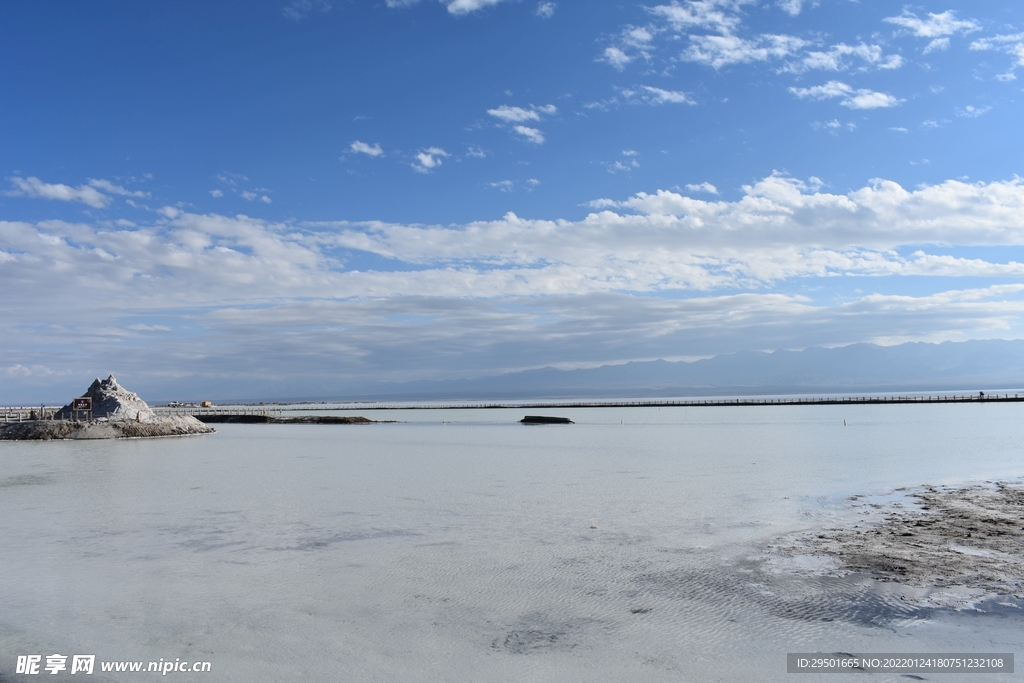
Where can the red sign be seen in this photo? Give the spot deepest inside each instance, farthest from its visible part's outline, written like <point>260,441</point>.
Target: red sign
<point>84,403</point>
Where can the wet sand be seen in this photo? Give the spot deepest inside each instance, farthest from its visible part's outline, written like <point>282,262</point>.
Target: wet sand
<point>966,543</point>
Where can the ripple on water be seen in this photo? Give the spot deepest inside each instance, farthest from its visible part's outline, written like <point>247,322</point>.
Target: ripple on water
<point>25,480</point>
<point>717,602</point>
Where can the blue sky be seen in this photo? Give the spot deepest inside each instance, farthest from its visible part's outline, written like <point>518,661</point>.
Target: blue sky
<point>290,198</point>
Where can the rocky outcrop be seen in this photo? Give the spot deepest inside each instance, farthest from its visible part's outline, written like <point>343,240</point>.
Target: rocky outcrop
<point>116,414</point>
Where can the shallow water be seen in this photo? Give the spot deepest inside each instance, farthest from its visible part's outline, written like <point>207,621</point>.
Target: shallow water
<point>458,545</point>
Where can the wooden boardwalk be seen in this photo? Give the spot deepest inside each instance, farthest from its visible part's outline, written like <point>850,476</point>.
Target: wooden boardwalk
<point>711,402</point>
<point>230,411</point>
<point>909,399</point>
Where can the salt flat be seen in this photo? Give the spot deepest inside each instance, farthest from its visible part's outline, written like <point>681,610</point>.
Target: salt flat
<point>462,546</point>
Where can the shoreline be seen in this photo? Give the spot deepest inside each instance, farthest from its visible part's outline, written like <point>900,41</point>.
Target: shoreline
<point>83,430</point>
<point>948,546</point>
<point>302,419</point>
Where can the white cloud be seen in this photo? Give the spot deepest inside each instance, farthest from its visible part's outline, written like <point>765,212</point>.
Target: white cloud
<point>870,99</point>
<point>834,126</point>
<point>853,99</point>
<point>110,187</point>
<point>637,39</point>
<point>34,187</point>
<point>22,371</point>
<point>774,217</point>
<point>821,92</point>
<point>703,187</point>
<point>476,152</point>
<point>995,42</point>
<point>725,50</point>
<point>1018,52</point>
<point>1012,45</point>
<point>837,58</point>
<point>718,48</point>
<point>937,45</point>
<point>647,94</point>
<point>216,193</point>
<point>232,179</point>
<point>531,134</point>
<point>629,161</point>
<point>712,29</point>
<point>466,6</point>
<point>394,339</point>
<point>713,15</point>
<point>637,36</point>
<point>972,112</point>
<point>429,159</point>
<point>546,10</point>
<point>509,114</point>
<point>300,9</point>
<point>792,7</point>
<point>252,196</point>
<point>935,25</point>
<point>361,147</point>
<point>456,7</point>
<point>616,57</point>
<point>481,287</point>
<point>503,185</point>
<point>779,228</point>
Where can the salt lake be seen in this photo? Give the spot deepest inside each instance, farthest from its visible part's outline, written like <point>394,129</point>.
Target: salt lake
<point>459,545</point>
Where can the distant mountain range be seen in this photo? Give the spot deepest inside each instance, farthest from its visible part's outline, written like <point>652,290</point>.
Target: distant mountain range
<point>971,365</point>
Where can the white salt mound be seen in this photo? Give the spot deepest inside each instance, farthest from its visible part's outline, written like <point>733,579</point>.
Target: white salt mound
<point>112,401</point>
<point>116,413</point>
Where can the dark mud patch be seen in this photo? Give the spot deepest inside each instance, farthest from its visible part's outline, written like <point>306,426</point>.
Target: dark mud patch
<point>959,546</point>
<point>539,633</point>
<point>895,560</point>
<point>315,543</point>
<point>972,536</point>
<point>532,640</point>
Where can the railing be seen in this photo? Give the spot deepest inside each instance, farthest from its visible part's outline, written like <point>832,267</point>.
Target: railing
<point>232,411</point>
<point>22,414</point>
<point>26,414</point>
<point>687,403</point>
